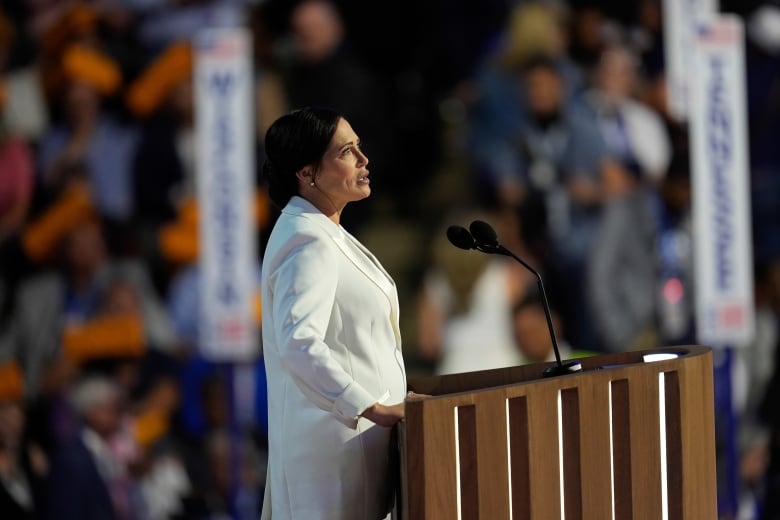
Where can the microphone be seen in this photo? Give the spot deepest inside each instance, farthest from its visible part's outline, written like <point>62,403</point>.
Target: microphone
<point>460,237</point>
<point>483,233</point>
<point>482,237</point>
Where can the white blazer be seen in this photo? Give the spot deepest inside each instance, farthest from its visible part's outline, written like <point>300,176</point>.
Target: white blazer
<point>332,348</point>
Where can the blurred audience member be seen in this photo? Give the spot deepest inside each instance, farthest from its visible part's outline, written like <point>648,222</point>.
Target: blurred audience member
<point>88,480</point>
<point>639,268</point>
<point>50,417</point>
<point>64,300</point>
<point>464,309</point>
<point>532,333</point>
<point>23,109</point>
<point>87,133</point>
<point>164,162</point>
<point>322,71</point>
<point>270,94</point>
<point>165,485</point>
<point>500,110</point>
<point>551,168</point>
<point>752,383</point>
<point>635,135</point>
<point>16,161</point>
<point>219,447</point>
<point>532,29</point>
<point>760,474</point>
<point>591,30</point>
<point>17,180</point>
<point>164,482</point>
<point>552,154</point>
<point>762,62</point>
<point>208,452</point>
<point>23,466</point>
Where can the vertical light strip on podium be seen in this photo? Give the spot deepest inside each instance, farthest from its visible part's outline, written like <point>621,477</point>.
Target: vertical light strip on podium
<point>509,457</point>
<point>457,462</point>
<point>611,451</point>
<point>560,456</point>
<point>662,438</point>
<point>674,452</point>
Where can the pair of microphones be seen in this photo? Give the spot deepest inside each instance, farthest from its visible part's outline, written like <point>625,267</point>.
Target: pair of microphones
<point>481,236</point>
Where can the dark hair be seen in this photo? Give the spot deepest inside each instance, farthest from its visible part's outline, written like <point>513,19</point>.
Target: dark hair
<point>295,140</point>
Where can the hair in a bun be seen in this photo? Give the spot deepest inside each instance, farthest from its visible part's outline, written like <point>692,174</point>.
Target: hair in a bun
<point>295,140</point>
<point>280,188</point>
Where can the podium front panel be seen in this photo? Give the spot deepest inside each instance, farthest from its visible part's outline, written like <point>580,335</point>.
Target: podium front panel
<point>623,439</point>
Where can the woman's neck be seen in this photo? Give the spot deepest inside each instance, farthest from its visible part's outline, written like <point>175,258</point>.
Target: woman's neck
<point>326,206</point>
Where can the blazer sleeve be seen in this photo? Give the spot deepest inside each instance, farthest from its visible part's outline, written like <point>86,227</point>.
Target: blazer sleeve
<point>304,291</point>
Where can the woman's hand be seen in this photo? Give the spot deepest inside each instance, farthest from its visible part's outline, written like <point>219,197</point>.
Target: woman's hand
<point>383,415</point>
<point>388,416</point>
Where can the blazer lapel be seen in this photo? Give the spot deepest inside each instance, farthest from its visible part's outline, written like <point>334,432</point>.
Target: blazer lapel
<point>370,266</point>
<point>367,263</point>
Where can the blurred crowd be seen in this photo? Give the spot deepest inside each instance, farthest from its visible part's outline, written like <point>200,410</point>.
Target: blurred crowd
<point>546,118</point>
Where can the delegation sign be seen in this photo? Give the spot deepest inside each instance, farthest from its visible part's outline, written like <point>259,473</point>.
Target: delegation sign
<point>720,177</point>
<point>680,18</point>
<point>225,180</point>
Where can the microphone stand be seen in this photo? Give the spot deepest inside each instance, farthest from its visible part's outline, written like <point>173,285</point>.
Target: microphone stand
<point>482,237</point>
<point>560,368</point>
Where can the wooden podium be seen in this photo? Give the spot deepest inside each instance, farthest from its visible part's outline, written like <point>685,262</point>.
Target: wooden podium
<point>623,439</point>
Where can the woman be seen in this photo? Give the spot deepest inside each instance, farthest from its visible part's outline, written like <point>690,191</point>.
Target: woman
<point>331,340</point>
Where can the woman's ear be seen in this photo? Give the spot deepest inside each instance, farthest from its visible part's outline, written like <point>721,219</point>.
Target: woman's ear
<point>305,174</point>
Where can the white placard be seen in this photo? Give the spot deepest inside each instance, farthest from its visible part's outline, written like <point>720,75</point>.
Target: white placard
<point>680,18</point>
<point>721,207</point>
<point>225,180</point>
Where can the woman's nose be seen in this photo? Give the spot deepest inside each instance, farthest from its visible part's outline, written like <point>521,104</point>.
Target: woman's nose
<point>362,158</point>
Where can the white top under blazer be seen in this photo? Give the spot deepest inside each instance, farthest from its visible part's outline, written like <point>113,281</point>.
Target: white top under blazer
<point>332,348</point>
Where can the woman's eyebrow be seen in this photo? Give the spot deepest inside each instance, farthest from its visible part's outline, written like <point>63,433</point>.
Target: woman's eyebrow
<point>349,143</point>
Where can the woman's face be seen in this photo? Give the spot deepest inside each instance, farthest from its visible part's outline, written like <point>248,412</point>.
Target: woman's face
<point>544,91</point>
<point>342,175</point>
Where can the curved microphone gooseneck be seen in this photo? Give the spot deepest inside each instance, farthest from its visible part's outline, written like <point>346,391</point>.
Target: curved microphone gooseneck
<point>482,237</point>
